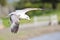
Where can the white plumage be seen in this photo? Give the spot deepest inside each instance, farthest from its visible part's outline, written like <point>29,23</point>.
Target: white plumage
<point>19,14</point>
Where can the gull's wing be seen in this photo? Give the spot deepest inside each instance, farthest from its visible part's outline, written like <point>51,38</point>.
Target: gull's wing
<point>14,27</point>
<point>14,23</point>
<point>30,9</point>
<point>23,11</point>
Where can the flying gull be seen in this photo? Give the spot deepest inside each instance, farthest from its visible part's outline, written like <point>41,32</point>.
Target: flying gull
<point>17,15</point>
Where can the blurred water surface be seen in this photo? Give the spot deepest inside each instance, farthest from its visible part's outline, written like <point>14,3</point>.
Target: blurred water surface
<point>50,36</point>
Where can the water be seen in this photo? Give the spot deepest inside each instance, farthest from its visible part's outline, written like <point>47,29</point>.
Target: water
<point>51,36</point>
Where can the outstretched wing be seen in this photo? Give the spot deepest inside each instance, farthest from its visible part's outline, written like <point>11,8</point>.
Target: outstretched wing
<point>14,23</point>
<point>15,27</point>
<point>30,9</point>
<point>23,11</point>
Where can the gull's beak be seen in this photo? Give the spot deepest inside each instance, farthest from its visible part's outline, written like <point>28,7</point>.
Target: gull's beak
<point>29,19</point>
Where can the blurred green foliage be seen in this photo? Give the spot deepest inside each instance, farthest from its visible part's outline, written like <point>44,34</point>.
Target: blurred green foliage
<point>6,22</point>
<point>3,2</point>
<point>36,4</point>
<point>32,4</point>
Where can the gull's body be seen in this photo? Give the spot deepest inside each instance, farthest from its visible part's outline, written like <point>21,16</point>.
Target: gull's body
<point>19,14</point>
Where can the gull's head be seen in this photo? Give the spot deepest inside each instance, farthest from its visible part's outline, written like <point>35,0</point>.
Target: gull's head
<point>25,17</point>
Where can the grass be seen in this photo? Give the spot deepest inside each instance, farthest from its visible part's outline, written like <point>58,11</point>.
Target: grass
<point>6,22</point>
<point>1,37</point>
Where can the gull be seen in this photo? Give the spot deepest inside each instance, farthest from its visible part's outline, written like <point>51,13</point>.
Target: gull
<point>17,15</point>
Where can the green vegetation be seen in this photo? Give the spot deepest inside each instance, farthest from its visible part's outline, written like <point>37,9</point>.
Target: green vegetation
<point>2,38</point>
<point>3,2</point>
<point>6,22</point>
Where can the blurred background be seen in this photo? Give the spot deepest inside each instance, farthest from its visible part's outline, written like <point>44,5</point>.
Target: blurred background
<point>38,18</point>
<point>7,6</point>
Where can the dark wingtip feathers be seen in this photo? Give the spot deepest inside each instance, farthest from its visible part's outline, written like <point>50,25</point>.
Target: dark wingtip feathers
<point>15,28</point>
